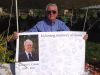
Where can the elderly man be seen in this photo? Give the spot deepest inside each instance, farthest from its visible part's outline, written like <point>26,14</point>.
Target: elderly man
<point>28,54</point>
<point>50,23</point>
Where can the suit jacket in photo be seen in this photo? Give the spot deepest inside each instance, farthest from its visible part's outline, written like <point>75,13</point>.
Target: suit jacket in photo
<point>23,57</point>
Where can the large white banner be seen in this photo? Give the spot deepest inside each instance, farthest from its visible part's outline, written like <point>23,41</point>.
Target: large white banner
<point>59,53</point>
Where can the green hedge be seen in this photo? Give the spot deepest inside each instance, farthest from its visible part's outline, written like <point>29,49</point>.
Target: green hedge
<point>92,52</point>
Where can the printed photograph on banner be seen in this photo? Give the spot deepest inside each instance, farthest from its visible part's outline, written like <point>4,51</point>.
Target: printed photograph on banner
<point>28,48</point>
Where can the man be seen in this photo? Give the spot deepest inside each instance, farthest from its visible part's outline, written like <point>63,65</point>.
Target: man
<point>50,23</point>
<point>28,54</point>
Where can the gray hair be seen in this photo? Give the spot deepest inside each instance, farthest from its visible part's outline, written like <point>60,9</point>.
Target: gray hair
<point>28,41</point>
<point>51,4</point>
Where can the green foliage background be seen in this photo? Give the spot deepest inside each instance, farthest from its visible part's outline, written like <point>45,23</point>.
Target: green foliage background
<point>5,54</point>
<point>92,52</point>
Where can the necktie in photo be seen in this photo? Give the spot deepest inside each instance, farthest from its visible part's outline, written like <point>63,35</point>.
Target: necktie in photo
<point>30,57</point>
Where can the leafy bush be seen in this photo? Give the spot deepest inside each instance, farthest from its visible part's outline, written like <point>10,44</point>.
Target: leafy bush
<point>92,52</point>
<point>4,52</point>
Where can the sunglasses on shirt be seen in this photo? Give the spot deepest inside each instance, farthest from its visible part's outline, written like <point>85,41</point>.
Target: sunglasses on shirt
<point>51,11</point>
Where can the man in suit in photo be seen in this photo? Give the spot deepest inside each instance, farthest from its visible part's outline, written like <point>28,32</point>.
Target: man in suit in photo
<point>28,54</point>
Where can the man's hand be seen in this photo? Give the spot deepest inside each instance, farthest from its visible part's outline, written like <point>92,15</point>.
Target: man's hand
<point>15,35</point>
<point>85,37</point>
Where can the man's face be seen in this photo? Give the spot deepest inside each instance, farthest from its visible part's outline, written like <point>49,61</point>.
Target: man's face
<point>28,47</point>
<point>52,13</point>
